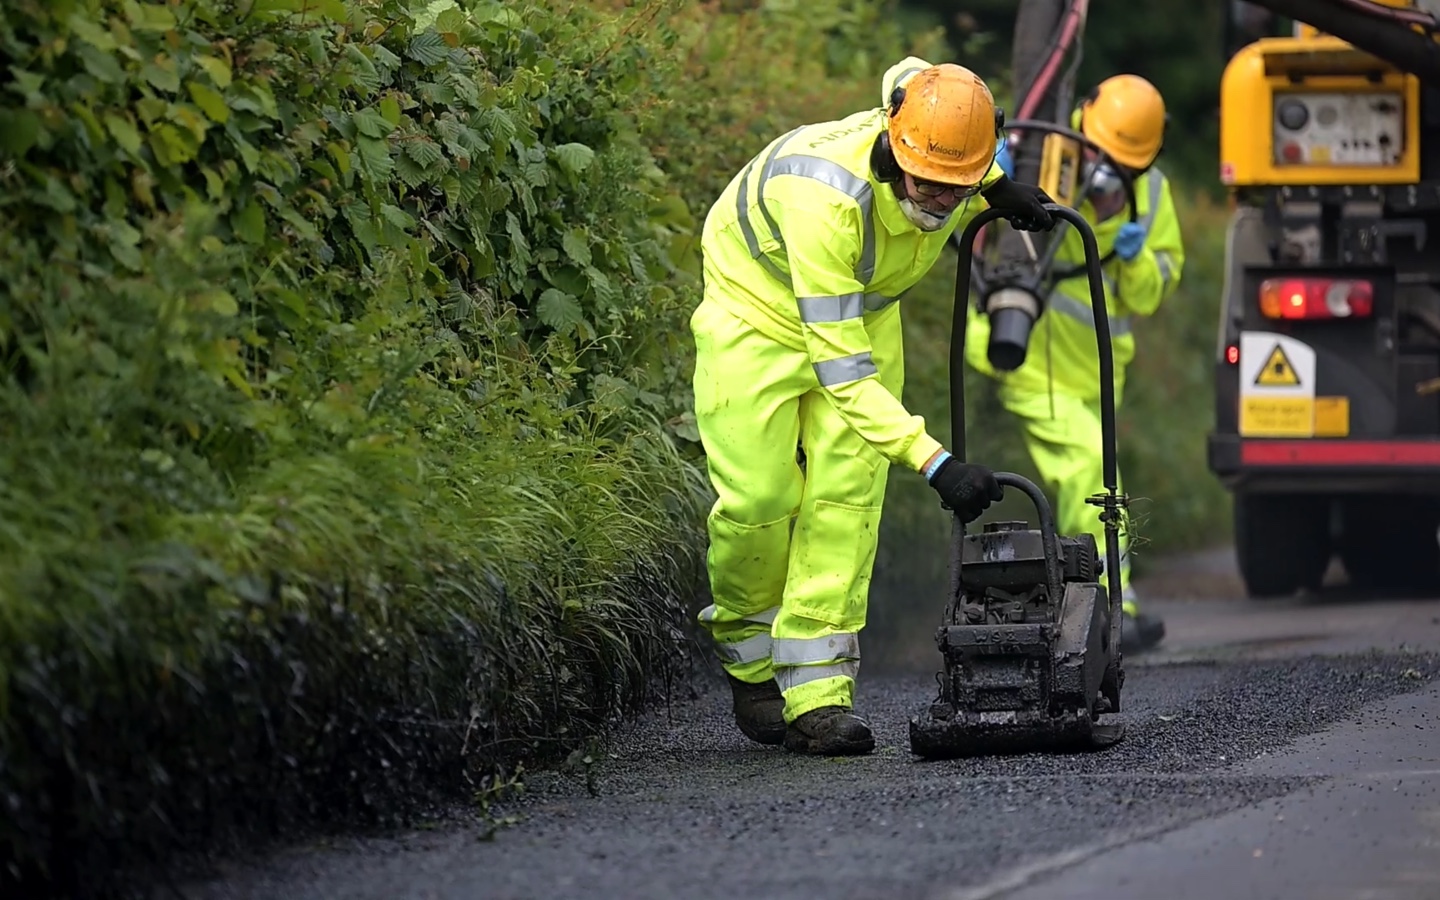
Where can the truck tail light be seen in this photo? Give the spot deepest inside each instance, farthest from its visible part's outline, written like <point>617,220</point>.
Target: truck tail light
<point>1316,298</point>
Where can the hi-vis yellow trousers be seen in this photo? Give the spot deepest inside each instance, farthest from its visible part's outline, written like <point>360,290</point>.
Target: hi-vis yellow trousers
<point>791,552</point>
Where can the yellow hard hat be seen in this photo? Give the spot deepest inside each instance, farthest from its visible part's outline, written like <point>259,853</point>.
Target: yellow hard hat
<point>945,128</point>
<point>1125,117</point>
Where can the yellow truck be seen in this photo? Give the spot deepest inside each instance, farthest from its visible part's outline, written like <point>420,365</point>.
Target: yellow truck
<point>1327,371</point>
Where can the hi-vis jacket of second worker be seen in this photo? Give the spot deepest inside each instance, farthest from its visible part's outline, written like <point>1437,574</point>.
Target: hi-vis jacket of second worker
<point>810,249</point>
<point>1062,354</point>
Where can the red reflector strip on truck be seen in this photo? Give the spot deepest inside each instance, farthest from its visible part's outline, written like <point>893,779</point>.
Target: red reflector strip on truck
<point>1340,453</point>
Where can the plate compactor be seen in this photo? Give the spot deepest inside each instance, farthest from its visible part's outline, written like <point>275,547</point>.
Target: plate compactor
<point>1031,636</point>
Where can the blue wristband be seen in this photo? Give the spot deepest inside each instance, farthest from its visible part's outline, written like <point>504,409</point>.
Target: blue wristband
<point>935,466</point>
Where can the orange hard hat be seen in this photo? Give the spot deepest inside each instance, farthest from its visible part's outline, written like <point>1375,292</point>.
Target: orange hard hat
<point>1125,117</point>
<point>945,128</point>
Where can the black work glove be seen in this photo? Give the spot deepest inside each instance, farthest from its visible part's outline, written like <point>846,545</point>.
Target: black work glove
<point>1023,204</point>
<point>966,488</point>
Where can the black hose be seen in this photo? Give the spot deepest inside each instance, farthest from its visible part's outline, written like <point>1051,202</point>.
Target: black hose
<point>1384,37</point>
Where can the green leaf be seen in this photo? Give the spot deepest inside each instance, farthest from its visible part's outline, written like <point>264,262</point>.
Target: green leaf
<point>150,16</point>
<point>127,256</point>
<point>500,125</point>
<point>424,152</point>
<point>560,311</point>
<point>303,227</point>
<point>569,279</point>
<point>450,20</point>
<point>217,69</point>
<point>428,49</point>
<point>341,157</point>
<point>214,183</point>
<point>104,67</point>
<point>330,9</point>
<point>372,123</point>
<point>19,131</point>
<point>375,158</point>
<point>390,109</point>
<point>249,223</point>
<point>600,283</point>
<point>397,217</point>
<point>210,101</point>
<point>90,32</point>
<point>163,76</point>
<point>576,247</point>
<point>361,70</point>
<point>218,300</point>
<point>255,97</point>
<point>574,158</point>
<point>123,131</point>
<point>410,172</point>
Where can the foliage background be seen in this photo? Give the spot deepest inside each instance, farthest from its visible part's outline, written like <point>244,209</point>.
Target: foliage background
<point>346,446</point>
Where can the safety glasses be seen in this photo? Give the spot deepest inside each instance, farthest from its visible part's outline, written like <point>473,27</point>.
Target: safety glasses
<point>933,189</point>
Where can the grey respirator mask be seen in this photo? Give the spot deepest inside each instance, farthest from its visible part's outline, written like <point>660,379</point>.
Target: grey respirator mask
<point>1101,180</point>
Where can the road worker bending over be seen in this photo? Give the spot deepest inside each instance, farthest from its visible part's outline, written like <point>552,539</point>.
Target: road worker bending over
<point>798,339</point>
<point>1056,391</point>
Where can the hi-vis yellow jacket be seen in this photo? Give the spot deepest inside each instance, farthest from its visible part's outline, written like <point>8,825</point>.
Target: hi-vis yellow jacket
<point>1062,354</point>
<point>810,250</point>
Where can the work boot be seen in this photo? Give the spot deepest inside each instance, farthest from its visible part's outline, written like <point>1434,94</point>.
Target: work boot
<point>759,710</point>
<point>829,731</point>
<point>1140,632</point>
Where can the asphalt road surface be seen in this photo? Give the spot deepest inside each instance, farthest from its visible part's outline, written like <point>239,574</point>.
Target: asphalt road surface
<point>1274,750</point>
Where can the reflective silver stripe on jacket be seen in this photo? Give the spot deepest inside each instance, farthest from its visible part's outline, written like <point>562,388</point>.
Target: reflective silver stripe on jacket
<point>1157,181</point>
<point>1066,305</point>
<point>1167,267</point>
<point>802,661</point>
<point>805,166</point>
<point>835,308</point>
<point>817,309</point>
<point>832,372</point>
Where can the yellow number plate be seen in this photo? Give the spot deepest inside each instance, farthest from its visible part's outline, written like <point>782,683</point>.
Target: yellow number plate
<point>1295,417</point>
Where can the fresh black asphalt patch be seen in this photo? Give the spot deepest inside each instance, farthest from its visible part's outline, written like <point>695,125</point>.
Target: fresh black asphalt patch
<point>681,805</point>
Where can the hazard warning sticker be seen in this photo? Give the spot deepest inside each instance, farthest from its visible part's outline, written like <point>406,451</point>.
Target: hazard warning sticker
<point>1277,387</point>
<point>1276,365</point>
<point>1277,371</point>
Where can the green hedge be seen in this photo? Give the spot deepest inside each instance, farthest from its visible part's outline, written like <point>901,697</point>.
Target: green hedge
<point>336,356</point>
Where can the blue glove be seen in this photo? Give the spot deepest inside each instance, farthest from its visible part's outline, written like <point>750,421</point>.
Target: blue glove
<point>1130,239</point>
<point>1004,159</point>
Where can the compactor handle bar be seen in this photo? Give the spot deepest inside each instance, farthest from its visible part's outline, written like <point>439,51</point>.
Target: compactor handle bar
<point>1109,501</point>
<point>1102,334</point>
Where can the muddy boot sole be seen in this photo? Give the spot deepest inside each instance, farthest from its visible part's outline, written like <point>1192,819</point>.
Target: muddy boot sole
<point>831,734</point>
